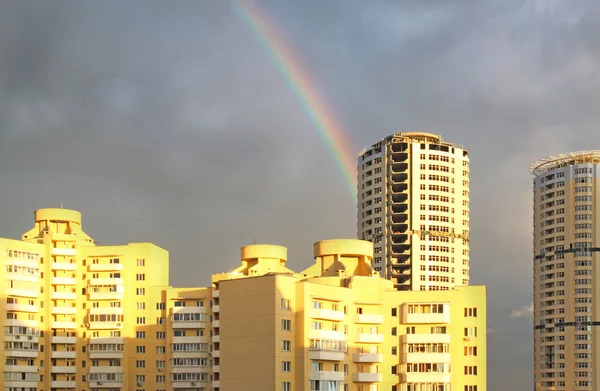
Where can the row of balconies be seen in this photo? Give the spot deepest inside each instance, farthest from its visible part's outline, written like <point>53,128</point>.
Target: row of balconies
<point>358,377</point>
<point>326,314</point>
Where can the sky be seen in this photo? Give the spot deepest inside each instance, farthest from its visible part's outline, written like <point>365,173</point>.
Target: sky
<point>166,122</point>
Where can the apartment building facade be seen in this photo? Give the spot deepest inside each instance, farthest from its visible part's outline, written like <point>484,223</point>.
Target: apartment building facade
<point>566,244</point>
<point>339,326</point>
<point>413,205</point>
<point>84,317</point>
<point>87,317</point>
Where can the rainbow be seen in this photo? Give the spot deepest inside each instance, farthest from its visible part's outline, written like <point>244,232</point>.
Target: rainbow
<point>322,117</point>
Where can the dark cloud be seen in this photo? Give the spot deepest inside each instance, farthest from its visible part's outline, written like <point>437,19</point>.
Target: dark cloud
<point>169,124</point>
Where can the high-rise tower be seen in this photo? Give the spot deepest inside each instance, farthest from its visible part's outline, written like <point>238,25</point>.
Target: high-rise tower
<point>413,204</point>
<point>566,245</point>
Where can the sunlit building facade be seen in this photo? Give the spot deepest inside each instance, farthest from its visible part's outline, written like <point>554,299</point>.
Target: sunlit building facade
<point>413,205</point>
<point>338,326</point>
<point>84,317</point>
<point>566,245</point>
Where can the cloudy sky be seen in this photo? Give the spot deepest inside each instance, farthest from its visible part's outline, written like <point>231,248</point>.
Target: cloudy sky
<point>166,122</point>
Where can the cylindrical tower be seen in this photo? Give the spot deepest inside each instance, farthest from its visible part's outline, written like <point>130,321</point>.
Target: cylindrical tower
<point>413,204</point>
<point>565,276</point>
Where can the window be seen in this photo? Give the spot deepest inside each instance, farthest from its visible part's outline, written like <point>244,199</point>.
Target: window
<point>140,291</point>
<point>140,378</point>
<point>470,350</point>
<point>286,366</point>
<point>286,324</point>
<point>285,305</point>
<point>286,386</point>
<point>140,277</point>
<point>140,262</point>
<point>286,346</point>
<point>160,350</point>
<point>140,334</point>
<point>140,364</point>
<point>140,349</point>
<point>470,388</point>
<point>470,332</point>
<point>140,320</point>
<point>394,311</point>
<point>471,370</point>
<point>160,335</point>
<point>161,379</point>
<point>179,304</point>
<point>160,306</point>
<point>471,312</point>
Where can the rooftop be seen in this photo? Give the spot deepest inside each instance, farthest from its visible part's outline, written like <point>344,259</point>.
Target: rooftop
<point>546,164</point>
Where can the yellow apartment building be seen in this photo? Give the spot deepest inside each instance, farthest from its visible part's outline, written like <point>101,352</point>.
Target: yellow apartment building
<point>101,318</point>
<point>339,326</point>
<point>413,204</point>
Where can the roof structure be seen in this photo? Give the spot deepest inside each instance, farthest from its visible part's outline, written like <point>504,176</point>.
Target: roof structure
<point>565,159</point>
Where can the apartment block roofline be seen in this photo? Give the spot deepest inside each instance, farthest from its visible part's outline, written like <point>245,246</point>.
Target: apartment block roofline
<point>425,137</point>
<point>546,164</point>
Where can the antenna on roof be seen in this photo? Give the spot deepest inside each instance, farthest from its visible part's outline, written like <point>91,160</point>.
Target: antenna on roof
<point>61,204</point>
<point>254,240</point>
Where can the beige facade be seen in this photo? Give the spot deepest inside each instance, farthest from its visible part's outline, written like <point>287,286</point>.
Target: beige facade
<point>338,326</point>
<point>413,204</point>
<point>566,245</point>
<point>102,318</point>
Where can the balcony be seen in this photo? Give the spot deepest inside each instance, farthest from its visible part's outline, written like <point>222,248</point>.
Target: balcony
<point>426,357</point>
<point>64,354</point>
<point>106,384</point>
<point>64,266</point>
<point>216,339</point>
<point>21,353</point>
<point>64,281</point>
<point>22,307</point>
<point>20,368</point>
<point>319,313</point>
<point>215,308</point>
<point>117,295</point>
<point>366,377</point>
<point>367,357</point>
<point>193,339</point>
<point>326,355</point>
<point>216,368</point>
<point>369,338</point>
<point>67,325</point>
<point>63,369</point>
<point>327,334</point>
<point>368,318</point>
<point>426,377</point>
<point>64,340</point>
<point>105,325</point>
<point>67,252</point>
<point>425,338</point>
<point>21,322</point>
<point>64,295</point>
<point>216,384</point>
<point>105,267</point>
<point>327,375</point>
<point>215,293</point>
<point>106,354</point>
<point>215,324</point>
<point>433,318</point>
<point>63,384</point>
<point>64,310</point>
<point>105,281</point>
<point>32,293</point>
